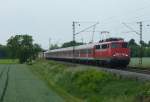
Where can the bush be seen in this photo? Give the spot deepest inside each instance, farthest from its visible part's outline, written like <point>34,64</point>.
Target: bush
<point>90,81</point>
<point>80,83</point>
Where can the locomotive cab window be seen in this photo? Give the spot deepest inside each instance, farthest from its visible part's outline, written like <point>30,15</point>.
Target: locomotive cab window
<point>115,45</point>
<point>119,45</point>
<point>105,46</point>
<point>97,46</point>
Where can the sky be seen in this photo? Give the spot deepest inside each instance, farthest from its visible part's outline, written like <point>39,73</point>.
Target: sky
<point>52,19</point>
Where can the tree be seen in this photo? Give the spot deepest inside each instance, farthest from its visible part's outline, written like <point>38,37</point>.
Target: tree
<point>36,49</point>
<point>53,46</point>
<point>22,47</point>
<point>134,48</point>
<point>144,44</point>
<point>71,43</point>
<point>132,43</point>
<point>149,44</point>
<point>4,52</point>
<point>14,43</point>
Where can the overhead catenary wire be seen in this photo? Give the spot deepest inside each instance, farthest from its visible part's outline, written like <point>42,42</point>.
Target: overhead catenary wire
<point>87,28</point>
<point>130,28</point>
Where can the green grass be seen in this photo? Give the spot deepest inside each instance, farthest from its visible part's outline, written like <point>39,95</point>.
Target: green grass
<point>9,61</point>
<point>37,69</point>
<point>88,84</point>
<point>135,62</point>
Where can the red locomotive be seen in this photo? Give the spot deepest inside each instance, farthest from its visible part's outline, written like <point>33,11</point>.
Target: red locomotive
<point>114,52</point>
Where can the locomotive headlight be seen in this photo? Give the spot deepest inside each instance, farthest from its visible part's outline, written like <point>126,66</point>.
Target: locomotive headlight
<point>120,54</point>
<point>124,54</point>
<point>114,55</point>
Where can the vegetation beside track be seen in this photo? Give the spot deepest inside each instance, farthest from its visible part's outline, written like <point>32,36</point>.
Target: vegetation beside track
<point>89,84</point>
<point>9,61</point>
<point>145,65</point>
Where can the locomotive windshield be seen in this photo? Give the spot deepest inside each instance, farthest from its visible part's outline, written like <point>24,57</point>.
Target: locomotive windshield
<point>103,46</point>
<point>124,45</point>
<point>119,45</point>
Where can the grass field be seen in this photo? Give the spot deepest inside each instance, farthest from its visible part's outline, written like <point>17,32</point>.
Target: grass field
<point>9,61</point>
<point>91,85</point>
<point>135,62</point>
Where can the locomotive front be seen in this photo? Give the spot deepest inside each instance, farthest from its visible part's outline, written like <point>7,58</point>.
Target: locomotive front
<point>120,53</point>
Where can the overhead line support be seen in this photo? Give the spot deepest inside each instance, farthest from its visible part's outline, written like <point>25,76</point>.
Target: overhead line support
<point>141,47</point>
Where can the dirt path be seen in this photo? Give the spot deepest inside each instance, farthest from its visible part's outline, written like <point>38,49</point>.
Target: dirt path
<point>18,84</point>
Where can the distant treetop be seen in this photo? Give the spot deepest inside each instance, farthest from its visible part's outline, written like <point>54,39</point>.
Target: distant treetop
<point>111,39</point>
<point>71,43</point>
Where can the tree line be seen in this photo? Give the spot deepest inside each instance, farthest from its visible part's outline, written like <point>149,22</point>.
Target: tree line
<point>66,44</point>
<point>135,48</point>
<point>20,47</point>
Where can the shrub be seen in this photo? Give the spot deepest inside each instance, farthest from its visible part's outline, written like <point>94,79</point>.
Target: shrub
<point>82,83</point>
<point>90,80</point>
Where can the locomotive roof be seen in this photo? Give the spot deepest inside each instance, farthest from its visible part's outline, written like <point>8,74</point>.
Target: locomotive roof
<point>86,46</point>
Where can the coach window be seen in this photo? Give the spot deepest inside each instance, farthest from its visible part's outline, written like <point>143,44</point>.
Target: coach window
<point>69,53</point>
<point>104,46</point>
<point>78,52</point>
<point>83,51</point>
<point>89,51</point>
<point>97,47</point>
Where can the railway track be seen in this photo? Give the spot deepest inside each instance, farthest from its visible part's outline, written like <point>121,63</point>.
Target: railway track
<point>138,70</point>
<point>129,68</point>
<point>4,79</point>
